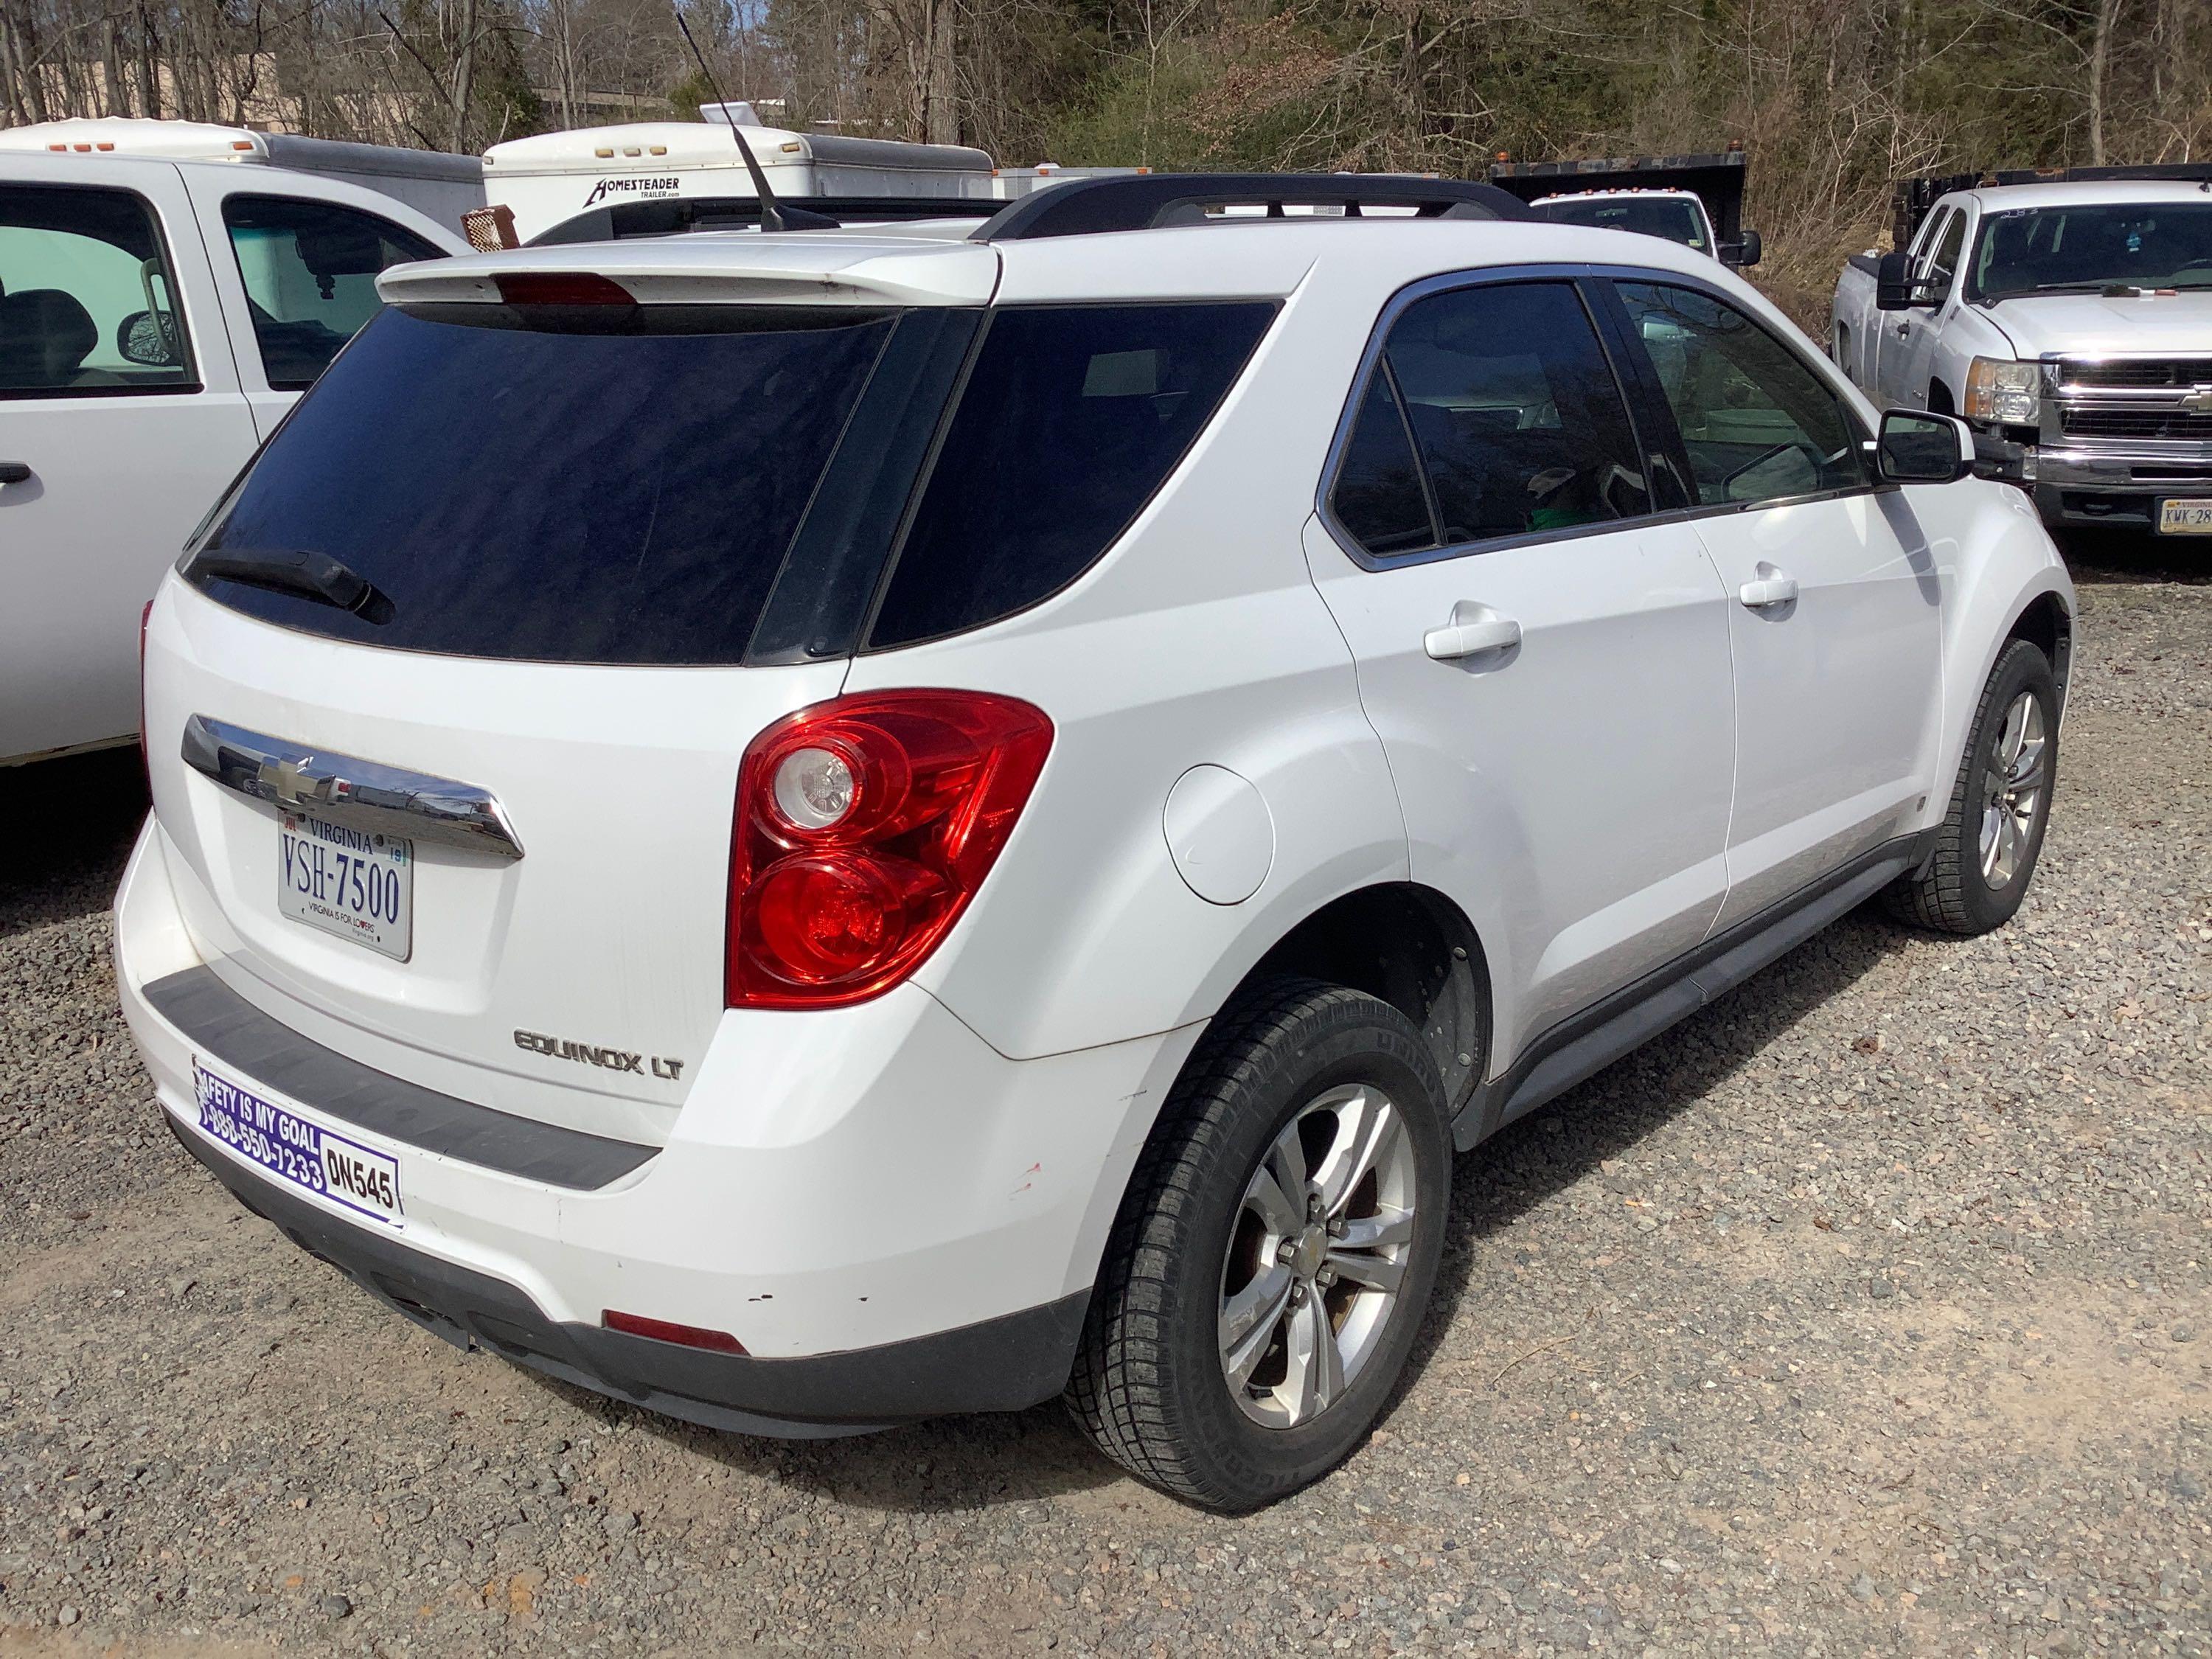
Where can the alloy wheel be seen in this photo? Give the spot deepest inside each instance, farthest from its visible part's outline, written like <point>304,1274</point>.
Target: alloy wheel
<point>2012,790</point>
<point>1317,1256</point>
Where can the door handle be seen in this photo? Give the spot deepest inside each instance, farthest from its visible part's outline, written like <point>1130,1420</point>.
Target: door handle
<point>1481,631</point>
<point>1768,591</point>
<point>14,472</point>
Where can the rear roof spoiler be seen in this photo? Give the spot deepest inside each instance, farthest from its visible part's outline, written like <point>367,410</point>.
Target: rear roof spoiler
<point>1143,201</point>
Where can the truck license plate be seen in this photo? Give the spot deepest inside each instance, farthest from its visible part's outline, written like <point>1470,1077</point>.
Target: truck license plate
<point>349,882</point>
<point>2185,517</point>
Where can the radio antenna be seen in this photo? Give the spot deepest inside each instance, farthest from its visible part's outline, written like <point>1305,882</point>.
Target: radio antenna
<point>774,214</point>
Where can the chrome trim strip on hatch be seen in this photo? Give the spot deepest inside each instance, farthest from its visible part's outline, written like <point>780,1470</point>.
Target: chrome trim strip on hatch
<point>362,794</point>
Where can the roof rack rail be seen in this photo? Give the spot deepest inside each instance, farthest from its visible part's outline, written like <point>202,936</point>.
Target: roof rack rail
<point>1142,203</point>
<point>625,222</point>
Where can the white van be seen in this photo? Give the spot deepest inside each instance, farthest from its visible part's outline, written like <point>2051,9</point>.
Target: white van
<point>157,320</point>
<point>441,185</point>
<point>556,176</point>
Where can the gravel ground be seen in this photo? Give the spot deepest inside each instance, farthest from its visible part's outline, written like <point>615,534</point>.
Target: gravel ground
<point>1867,1311</point>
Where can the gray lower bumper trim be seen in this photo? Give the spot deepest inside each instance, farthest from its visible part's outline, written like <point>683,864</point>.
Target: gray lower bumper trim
<point>227,1027</point>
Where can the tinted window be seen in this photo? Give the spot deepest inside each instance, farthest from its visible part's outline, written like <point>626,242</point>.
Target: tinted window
<point>88,304</point>
<point>594,494</point>
<point>310,274</point>
<point>1758,424</point>
<point>1515,411</point>
<point>1672,218</point>
<point>1379,496</point>
<point>1073,416</point>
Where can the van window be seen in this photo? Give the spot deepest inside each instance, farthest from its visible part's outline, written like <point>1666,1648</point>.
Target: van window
<point>87,301</point>
<point>1072,418</point>
<point>310,272</point>
<point>615,485</point>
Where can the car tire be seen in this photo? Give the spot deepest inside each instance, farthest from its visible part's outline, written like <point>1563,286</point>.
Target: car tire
<point>1987,846</point>
<point>1296,1081</point>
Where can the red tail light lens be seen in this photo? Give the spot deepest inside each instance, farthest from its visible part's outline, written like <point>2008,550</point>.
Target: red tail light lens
<point>864,827</point>
<point>561,288</point>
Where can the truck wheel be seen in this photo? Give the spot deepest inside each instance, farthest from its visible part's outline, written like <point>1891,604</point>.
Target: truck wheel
<point>1988,843</point>
<point>1269,1268</point>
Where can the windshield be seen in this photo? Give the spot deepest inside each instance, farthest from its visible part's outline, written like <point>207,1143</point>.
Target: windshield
<point>1676,220</point>
<point>2141,245</point>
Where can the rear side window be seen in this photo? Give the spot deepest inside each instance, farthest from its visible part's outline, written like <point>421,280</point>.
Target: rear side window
<point>619,485</point>
<point>1072,418</point>
<point>1379,495</point>
<point>1519,421</point>
<point>88,304</point>
<point>310,272</point>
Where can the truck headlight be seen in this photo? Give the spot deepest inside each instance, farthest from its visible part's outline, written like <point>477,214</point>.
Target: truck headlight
<point>1998,389</point>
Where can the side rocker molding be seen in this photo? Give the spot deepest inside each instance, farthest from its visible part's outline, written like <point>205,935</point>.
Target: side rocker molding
<point>1584,1044</point>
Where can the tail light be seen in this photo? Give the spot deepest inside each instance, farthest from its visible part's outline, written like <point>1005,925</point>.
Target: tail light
<point>863,826</point>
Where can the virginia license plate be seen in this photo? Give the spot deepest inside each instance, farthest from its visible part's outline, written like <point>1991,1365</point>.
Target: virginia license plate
<point>2185,517</point>
<point>349,882</point>
<point>360,1178</point>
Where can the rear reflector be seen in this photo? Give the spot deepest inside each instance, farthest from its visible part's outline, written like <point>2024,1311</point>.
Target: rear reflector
<point>661,1330</point>
<point>563,287</point>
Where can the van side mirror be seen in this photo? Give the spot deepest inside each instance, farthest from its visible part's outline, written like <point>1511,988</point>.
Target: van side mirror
<point>1743,252</point>
<point>1917,448</point>
<point>1894,288</point>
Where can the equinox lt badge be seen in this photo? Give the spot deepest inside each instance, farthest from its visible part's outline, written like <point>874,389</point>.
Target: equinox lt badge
<point>585,1054</point>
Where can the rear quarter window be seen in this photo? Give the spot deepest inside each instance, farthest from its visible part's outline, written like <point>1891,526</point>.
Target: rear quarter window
<point>1072,418</point>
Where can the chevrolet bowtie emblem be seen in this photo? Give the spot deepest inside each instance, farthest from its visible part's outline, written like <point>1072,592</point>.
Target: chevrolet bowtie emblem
<point>2198,402</point>
<point>294,783</point>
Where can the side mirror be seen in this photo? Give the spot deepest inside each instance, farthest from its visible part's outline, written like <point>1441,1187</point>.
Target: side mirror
<point>1918,447</point>
<point>147,340</point>
<point>1894,288</point>
<point>1743,252</point>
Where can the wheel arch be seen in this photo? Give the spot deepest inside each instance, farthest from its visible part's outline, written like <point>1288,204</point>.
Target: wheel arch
<point>1413,947</point>
<point>2009,583</point>
<point>1406,943</point>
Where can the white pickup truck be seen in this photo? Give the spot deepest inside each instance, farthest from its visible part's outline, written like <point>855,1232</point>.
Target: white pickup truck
<point>2071,318</point>
<point>157,319</point>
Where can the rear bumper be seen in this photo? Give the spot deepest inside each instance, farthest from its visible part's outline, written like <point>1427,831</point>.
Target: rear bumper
<point>1000,1364</point>
<point>894,1220</point>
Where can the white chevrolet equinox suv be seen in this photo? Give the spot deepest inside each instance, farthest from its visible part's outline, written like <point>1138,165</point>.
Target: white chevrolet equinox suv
<point>812,829</point>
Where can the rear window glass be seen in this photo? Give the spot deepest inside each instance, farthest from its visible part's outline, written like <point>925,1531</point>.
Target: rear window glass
<point>617,487</point>
<point>1072,418</point>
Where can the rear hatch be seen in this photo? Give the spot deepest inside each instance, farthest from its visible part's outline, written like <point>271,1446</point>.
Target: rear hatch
<point>446,710</point>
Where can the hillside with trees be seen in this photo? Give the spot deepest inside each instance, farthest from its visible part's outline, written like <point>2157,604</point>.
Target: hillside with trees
<point>1832,98</point>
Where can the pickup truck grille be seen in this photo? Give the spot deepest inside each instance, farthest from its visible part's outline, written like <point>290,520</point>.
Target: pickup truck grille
<point>2183,372</point>
<point>2106,422</point>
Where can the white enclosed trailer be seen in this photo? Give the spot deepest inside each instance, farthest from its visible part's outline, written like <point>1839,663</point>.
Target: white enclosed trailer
<point>550,179</point>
